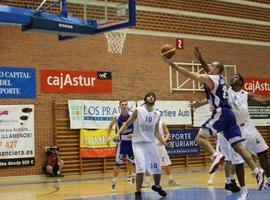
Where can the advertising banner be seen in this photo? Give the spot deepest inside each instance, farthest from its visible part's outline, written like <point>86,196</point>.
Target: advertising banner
<point>260,86</point>
<point>93,144</point>
<point>17,144</point>
<point>201,114</point>
<point>17,83</point>
<point>173,112</point>
<point>60,81</point>
<point>260,115</point>
<point>183,142</point>
<point>93,114</point>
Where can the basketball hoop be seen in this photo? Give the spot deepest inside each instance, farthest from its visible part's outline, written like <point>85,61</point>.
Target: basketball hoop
<point>115,41</point>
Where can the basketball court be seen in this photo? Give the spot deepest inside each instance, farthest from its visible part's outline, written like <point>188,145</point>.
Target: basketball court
<point>120,41</point>
<point>193,186</point>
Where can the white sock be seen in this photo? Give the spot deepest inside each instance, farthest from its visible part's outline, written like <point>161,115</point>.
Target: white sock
<point>232,176</point>
<point>244,189</point>
<point>170,177</point>
<point>228,180</point>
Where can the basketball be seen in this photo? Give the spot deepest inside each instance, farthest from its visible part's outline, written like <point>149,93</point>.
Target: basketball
<point>167,50</point>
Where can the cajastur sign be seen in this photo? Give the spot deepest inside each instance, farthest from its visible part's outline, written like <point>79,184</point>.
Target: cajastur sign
<point>260,86</point>
<point>62,81</point>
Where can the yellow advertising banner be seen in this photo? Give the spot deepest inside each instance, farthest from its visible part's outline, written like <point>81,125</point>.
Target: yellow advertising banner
<point>93,144</point>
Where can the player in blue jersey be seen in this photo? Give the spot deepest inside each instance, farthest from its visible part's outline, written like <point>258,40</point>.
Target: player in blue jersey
<point>124,144</point>
<point>254,142</point>
<point>222,118</point>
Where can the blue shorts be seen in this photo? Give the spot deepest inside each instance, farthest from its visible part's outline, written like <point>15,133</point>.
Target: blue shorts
<point>222,120</point>
<point>123,149</point>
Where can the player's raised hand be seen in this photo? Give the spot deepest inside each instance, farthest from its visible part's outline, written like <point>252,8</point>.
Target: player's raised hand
<point>197,52</point>
<point>169,61</point>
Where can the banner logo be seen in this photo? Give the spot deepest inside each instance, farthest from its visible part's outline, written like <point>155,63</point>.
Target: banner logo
<point>260,86</point>
<point>60,81</point>
<point>5,112</point>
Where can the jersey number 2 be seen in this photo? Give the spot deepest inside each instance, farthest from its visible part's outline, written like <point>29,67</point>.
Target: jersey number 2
<point>225,93</point>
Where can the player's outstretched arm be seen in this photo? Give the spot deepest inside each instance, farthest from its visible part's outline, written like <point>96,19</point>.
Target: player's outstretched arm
<point>202,78</point>
<point>198,55</point>
<point>259,99</point>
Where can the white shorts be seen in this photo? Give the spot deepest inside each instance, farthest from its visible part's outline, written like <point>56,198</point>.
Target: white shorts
<point>225,148</point>
<point>254,141</point>
<point>163,155</point>
<point>146,158</point>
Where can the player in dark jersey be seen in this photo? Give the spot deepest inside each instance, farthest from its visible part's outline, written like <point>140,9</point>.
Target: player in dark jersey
<point>124,144</point>
<point>222,118</point>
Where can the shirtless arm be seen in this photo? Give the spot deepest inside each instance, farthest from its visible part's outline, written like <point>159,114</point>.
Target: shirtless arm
<point>202,78</point>
<point>198,55</point>
<point>259,99</point>
<point>158,136</point>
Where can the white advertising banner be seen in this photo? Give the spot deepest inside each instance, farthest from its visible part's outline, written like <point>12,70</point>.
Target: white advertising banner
<point>201,114</point>
<point>17,144</point>
<point>173,112</point>
<point>259,115</point>
<point>93,114</point>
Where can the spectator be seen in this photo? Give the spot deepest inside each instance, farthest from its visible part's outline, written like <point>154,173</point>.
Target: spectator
<point>53,164</point>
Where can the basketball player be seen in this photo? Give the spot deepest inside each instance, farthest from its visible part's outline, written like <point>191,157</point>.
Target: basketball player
<point>124,144</point>
<point>225,148</point>
<point>231,159</point>
<point>146,129</point>
<point>230,155</point>
<point>164,157</point>
<point>254,142</point>
<point>222,118</point>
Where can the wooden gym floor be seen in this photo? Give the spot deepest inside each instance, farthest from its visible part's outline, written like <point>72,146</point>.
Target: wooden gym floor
<point>193,186</point>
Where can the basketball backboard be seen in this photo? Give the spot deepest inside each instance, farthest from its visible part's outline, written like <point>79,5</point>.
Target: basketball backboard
<point>105,12</point>
<point>72,17</point>
<point>82,17</point>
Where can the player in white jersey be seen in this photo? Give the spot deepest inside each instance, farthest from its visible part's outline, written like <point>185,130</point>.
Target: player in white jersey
<point>146,121</point>
<point>231,159</point>
<point>222,118</point>
<point>124,145</point>
<point>254,142</point>
<point>164,157</point>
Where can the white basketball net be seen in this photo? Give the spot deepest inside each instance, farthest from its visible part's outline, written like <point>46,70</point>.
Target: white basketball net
<point>115,41</point>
